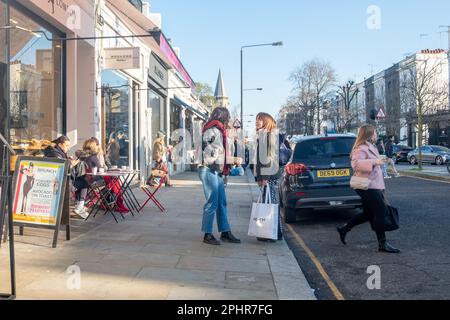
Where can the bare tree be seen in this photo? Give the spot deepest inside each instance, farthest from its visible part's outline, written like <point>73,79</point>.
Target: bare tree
<point>346,115</point>
<point>424,90</point>
<point>313,82</point>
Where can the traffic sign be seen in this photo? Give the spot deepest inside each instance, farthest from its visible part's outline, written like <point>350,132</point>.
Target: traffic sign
<point>237,124</point>
<point>381,113</point>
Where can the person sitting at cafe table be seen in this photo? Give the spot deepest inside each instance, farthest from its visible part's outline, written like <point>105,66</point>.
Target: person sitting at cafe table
<point>111,183</point>
<point>159,171</point>
<point>58,149</point>
<point>88,163</point>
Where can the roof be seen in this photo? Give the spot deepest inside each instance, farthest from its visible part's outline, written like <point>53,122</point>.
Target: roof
<point>220,92</point>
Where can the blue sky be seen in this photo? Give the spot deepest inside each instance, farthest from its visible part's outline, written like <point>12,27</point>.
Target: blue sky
<point>210,34</point>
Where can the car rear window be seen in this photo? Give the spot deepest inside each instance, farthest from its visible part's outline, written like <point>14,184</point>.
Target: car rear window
<point>323,148</point>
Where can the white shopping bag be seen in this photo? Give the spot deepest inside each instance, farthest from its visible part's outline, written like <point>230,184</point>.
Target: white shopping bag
<point>264,219</point>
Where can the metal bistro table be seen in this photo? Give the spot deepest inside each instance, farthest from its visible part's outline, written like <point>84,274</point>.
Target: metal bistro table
<point>106,196</point>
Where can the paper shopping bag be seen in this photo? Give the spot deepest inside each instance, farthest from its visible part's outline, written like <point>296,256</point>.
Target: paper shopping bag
<point>264,219</point>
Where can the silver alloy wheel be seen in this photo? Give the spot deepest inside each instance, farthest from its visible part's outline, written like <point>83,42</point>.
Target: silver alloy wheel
<point>439,161</point>
<point>413,160</point>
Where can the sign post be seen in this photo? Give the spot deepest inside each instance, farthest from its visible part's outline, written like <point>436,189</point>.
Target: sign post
<point>39,192</point>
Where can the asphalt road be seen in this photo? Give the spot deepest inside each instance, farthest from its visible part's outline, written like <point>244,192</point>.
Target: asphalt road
<point>421,271</point>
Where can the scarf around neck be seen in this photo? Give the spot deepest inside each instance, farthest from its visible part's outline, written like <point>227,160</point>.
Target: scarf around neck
<point>219,125</point>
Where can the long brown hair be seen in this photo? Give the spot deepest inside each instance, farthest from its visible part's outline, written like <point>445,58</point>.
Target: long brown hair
<point>365,133</point>
<point>220,114</point>
<point>269,123</point>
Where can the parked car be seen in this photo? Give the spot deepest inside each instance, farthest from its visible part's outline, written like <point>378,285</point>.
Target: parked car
<point>318,176</point>
<point>430,154</point>
<point>401,153</point>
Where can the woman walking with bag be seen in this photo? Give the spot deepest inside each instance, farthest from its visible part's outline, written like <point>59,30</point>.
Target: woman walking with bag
<point>212,172</point>
<point>267,168</point>
<point>369,183</point>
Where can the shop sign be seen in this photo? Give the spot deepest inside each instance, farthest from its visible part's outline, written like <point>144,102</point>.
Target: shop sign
<point>158,72</point>
<point>122,58</point>
<point>66,12</point>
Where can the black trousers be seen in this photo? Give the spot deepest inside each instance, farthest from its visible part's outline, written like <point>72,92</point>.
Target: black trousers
<point>374,206</point>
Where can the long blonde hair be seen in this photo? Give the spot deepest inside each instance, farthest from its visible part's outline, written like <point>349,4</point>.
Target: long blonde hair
<point>365,133</point>
<point>269,123</point>
<point>90,146</point>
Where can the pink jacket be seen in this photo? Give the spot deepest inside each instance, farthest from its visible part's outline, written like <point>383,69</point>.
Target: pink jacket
<point>363,163</point>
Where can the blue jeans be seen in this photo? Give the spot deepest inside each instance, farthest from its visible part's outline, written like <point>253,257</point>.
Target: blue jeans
<point>216,201</point>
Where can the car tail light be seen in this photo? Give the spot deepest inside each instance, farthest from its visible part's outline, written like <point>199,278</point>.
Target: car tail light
<point>295,169</point>
<point>300,194</point>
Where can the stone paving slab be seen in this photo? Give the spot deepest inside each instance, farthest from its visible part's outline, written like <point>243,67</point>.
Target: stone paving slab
<point>186,293</point>
<point>160,256</point>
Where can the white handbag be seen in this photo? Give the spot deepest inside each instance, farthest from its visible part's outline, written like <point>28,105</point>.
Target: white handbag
<point>359,183</point>
<point>264,218</point>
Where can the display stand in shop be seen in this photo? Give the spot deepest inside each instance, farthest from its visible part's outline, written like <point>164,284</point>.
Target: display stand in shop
<point>6,221</point>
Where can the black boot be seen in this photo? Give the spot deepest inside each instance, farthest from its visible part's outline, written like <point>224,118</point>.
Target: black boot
<point>384,246</point>
<point>343,233</point>
<point>209,239</point>
<point>229,237</point>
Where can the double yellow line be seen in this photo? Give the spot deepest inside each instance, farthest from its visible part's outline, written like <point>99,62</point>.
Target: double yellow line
<point>317,263</point>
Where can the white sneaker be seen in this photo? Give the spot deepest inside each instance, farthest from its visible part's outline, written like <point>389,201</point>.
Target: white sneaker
<point>81,211</point>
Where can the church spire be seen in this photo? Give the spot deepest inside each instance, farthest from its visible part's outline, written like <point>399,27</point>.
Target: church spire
<point>221,93</point>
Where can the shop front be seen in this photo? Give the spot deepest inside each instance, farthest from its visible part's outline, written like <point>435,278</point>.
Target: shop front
<point>36,82</point>
<point>158,82</point>
<point>191,121</point>
<point>35,71</point>
<point>439,130</point>
<point>116,117</point>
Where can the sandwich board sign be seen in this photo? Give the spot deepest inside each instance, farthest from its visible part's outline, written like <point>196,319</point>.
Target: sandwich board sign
<point>38,193</point>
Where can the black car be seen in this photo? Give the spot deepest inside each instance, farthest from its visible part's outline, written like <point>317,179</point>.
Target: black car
<point>400,153</point>
<point>318,176</point>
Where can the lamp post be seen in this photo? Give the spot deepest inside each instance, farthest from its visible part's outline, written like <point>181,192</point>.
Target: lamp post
<point>255,89</point>
<point>274,44</point>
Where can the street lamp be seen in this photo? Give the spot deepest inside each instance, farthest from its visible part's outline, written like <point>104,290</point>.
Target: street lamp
<point>256,89</point>
<point>274,44</point>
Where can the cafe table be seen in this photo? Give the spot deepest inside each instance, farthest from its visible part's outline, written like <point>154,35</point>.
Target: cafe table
<point>117,184</point>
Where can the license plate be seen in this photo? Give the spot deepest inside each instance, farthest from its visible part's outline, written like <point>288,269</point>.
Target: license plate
<point>333,173</point>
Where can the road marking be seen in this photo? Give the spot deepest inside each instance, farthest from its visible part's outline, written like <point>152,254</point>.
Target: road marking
<point>317,263</point>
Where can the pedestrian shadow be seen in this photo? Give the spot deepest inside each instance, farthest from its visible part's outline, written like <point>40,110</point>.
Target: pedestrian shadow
<point>324,217</point>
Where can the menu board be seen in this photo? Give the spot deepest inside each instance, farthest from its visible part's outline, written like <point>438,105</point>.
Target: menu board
<point>38,192</point>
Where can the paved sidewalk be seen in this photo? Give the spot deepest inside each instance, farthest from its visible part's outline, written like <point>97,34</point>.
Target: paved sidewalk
<point>160,256</point>
<point>438,173</point>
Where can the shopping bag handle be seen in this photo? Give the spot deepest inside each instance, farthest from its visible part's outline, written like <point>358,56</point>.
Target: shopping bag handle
<point>268,199</point>
<point>261,190</point>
